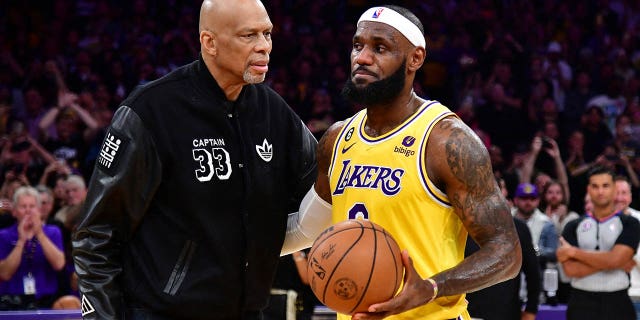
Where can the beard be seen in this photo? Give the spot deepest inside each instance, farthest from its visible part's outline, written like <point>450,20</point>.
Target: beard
<point>378,92</point>
<point>250,78</point>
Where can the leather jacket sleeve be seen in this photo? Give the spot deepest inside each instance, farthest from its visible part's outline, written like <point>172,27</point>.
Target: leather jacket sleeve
<point>306,162</point>
<point>124,180</point>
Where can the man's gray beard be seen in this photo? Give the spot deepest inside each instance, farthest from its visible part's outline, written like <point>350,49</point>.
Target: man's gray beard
<point>253,79</point>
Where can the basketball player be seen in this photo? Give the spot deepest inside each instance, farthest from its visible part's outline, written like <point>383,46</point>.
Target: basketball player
<point>187,207</point>
<point>416,169</point>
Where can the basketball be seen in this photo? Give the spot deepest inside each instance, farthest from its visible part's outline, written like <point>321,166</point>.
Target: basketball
<point>354,264</point>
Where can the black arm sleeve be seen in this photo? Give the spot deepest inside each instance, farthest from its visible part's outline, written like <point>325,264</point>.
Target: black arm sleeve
<point>530,267</point>
<point>630,235</point>
<point>125,178</point>
<point>569,232</point>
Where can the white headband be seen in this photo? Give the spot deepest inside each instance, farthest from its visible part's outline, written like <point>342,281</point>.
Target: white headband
<point>397,21</point>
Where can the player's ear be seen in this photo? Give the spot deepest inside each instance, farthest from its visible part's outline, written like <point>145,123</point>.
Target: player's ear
<point>416,58</point>
<point>208,42</point>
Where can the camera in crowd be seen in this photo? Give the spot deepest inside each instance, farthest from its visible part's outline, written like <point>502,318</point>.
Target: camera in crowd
<point>546,143</point>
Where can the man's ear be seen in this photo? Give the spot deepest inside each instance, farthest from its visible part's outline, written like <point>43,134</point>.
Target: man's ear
<point>416,58</point>
<point>208,42</point>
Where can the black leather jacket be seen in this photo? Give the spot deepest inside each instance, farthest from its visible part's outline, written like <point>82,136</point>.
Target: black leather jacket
<point>186,210</point>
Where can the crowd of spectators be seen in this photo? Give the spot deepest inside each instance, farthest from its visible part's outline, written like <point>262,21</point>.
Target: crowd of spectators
<point>551,87</point>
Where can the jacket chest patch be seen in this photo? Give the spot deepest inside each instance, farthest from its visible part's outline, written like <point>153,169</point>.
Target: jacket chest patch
<point>265,151</point>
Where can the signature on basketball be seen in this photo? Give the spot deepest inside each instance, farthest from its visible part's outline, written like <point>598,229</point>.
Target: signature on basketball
<point>326,254</point>
<point>318,269</point>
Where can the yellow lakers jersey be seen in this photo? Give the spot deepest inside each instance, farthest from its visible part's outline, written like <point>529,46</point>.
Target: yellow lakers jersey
<point>384,179</point>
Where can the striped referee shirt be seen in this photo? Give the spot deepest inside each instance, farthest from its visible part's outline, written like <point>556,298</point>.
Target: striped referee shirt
<point>589,233</point>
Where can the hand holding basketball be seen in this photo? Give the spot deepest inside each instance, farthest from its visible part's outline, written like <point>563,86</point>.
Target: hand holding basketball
<point>415,292</point>
<point>354,264</point>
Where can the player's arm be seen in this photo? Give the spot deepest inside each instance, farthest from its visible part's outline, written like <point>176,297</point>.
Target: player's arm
<point>115,204</point>
<point>459,164</point>
<point>314,215</point>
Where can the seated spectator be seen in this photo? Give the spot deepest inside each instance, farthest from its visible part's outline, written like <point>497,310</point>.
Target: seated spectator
<point>624,139</point>
<point>595,131</point>
<point>64,276</point>
<point>577,98</point>
<point>536,170</point>
<point>513,174</point>
<point>543,232</point>
<point>10,184</point>
<point>622,202</point>
<point>76,191</point>
<point>619,163</point>
<point>556,206</point>
<point>23,155</point>
<point>575,161</point>
<point>31,255</point>
<point>70,140</point>
<point>612,102</point>
<point>557,210</point>
<point>59,192</point>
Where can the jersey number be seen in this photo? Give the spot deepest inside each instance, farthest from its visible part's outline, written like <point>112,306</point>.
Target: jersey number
<point>359,211</point>
<point>215,162</point>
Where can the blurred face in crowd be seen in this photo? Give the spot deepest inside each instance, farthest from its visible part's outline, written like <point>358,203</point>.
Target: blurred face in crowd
<point>542,180</point>
<point>33,100</point>
<point>66,126</point>
<point>495,154</point>
<point>623,195</point>
<point>46,205</point>
<point>502,71</point>
<point>76,193</point>
<point>610,157</point>
<point>59,190</point>
<point>576,140</point>
<point>551,130</point>
<point>25,205</point>
<point>623,128</point>
<point>593,116</point>
<point>602,191</point>
<point>526,205</point>
<point>554,195</point>
<point>378,64</point>
<point>588,205</point>
<point>503,189</point>
<point>583,80</point>
<point>236,35</point>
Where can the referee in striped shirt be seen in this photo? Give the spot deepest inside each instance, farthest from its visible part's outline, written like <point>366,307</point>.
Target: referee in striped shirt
<point>596,251</point>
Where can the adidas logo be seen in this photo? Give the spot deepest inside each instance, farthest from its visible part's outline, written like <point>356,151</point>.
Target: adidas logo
<point>265,151</point>
<point>86,307</point>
